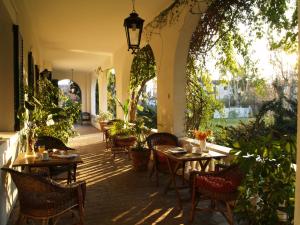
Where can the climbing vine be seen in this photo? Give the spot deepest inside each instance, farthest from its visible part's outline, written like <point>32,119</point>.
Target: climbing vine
<point>225,33</point>
<point>142,70</point>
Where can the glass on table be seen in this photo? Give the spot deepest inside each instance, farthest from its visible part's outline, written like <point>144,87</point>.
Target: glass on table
<point>41,149</point>
<point>188,147</point>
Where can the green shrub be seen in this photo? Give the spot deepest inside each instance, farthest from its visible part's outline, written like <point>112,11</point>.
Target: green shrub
<point>266,152</point>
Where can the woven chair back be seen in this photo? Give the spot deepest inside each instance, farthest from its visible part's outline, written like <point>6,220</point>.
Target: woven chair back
<point>162,139</point>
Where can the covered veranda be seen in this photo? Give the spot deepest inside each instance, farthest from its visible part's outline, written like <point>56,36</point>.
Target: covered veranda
<point>83,42</point>
<point>116,194</point>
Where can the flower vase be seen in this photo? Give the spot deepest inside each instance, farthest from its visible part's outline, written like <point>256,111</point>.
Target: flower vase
<point>202,145</point>
<point>29,148</point>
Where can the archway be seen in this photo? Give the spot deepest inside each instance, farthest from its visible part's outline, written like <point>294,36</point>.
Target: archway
<point>71,89</point>
<point>111,92</point>
<point>143,87</point>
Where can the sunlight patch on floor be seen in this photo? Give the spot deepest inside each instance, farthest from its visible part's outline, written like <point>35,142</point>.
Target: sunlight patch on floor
<point>154,212</point>
<point>120,216</point>
<point>163,216</point>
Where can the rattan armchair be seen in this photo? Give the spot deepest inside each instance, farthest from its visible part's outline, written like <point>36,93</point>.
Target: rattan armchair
<point>220,187</point>
<point>44,199</point>
<point>159,161</point>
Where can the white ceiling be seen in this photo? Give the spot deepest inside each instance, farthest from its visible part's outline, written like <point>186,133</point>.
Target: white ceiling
<point>83,34</point>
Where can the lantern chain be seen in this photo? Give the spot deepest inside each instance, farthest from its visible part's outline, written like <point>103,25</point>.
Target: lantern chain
<point>133,2</point>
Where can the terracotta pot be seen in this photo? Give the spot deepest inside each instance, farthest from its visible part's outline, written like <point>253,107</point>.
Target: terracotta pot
<point>102,125</point>
<point>126,141</point>
<point>140,159</point>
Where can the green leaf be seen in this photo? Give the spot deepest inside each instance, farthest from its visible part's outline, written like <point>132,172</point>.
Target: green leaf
<point>140,108</point>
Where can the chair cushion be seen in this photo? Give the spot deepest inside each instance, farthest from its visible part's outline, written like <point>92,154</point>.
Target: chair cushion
<point>218,184</point>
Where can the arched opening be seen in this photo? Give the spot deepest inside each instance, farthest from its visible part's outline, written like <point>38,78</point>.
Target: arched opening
<point>143,87</point>
<point>71,89</point>
<point>111,92</point>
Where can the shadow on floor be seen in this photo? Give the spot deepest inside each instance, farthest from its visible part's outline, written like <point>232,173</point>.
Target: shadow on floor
<point>118,195</point>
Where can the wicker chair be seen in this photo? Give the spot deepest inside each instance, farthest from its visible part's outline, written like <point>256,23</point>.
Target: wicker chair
<point>54,143</point>
<point>160,161</point>
<point>44,199</point>
<point>220,187</point>
<point>85,117</point>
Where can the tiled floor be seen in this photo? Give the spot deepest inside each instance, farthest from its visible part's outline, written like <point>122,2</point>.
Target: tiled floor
<point>118,195</point>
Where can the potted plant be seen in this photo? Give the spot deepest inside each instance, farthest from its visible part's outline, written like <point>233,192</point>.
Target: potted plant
<point>139,153</point>
<point>121,131</point>
<point>122,134</point>
<point>103,118</point>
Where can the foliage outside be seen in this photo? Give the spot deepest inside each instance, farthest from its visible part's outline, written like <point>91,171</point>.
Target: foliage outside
<point>111,93</point>
<point>225,33</point>
<point>149,112</point>
<point>266,149</point>
<point>200,98</point>
<point>142,70</point>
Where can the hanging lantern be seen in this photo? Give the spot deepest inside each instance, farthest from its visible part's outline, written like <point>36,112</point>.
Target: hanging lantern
<point>133,28</point>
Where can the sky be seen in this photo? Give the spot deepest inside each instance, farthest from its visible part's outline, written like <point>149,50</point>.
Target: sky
<point>262,55</point>
<point>64,82</point>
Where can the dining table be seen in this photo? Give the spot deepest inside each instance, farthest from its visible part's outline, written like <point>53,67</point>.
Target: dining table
<point>177,156</point>
<point>55,159</point>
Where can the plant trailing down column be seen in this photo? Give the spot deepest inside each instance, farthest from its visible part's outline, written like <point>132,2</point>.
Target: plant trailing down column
<point>142,70</point>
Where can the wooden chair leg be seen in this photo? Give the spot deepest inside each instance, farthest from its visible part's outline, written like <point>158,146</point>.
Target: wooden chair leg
<point>229,214</point>
<point>156,176</point>
<point>213,204</point>
<point>69,179</point>
<point>151,172</point>
<point>81,215</point>
<point>194,202</point>
<point>45,221</point>
<point>128,153</point>
<point>183,168</point>
<point>21,219</point>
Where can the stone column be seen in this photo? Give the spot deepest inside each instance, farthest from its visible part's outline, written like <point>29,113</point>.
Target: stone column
<point>122,64</point>
<point>102,85</point>
<point>170,49</point>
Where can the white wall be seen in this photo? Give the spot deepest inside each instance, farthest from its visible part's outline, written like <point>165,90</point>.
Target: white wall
<point>6,71</point>
<point>8,191</point>
<point>84,81</point>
